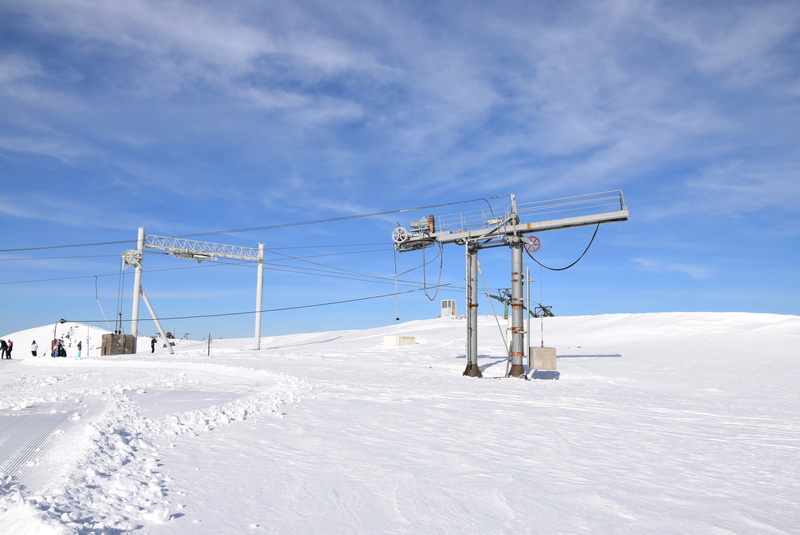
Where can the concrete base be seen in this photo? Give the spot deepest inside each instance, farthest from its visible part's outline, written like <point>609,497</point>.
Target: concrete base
<point>118,344</point>
<point>472,371</point>
<point>391,341</point>
<point>517,370</point>
<point>542,358</point>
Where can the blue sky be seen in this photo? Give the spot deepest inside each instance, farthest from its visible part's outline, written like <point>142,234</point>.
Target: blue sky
<point>197,117</point>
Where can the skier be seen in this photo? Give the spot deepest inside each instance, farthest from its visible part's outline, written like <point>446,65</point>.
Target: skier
<point>34,348</point>
<point>79,348</point>
<point>10,347</point>
<point>153,345</point>
<point>3,350</point>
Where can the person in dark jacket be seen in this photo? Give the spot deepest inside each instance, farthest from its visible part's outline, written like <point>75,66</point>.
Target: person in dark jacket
<point>3,350</point>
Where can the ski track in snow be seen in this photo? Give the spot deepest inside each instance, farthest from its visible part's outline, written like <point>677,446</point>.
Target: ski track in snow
<point>89,464</point>
<point>30,435</point>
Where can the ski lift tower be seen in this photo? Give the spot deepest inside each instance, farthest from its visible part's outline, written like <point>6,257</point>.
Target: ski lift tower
<point>483,229</point>
<point>194,250</point>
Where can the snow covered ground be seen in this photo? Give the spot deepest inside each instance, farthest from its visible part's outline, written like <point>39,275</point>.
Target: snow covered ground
<point>654,423</point>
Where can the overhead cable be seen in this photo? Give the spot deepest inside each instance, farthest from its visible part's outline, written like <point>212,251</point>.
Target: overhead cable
<point>314,305</point>
<point>340,218</point>
<point>265,227</point>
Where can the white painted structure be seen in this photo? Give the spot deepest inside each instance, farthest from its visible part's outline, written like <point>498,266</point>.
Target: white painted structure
<point>194,250</point>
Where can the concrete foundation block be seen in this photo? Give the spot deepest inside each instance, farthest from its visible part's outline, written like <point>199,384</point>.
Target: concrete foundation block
<point>391,341</point>
<point>118,344</point>
<point>542,358</point>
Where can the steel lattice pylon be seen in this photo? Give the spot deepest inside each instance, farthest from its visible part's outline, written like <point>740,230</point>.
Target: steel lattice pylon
<point>199,250</point>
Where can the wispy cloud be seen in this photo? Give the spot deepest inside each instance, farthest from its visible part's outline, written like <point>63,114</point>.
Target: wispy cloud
<point>737,44</point>
<point>539,99</point>
<point>46,146</point>
<point>659,266</point>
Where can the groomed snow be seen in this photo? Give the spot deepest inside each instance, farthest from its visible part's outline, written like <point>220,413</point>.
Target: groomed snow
<point>654,423</point>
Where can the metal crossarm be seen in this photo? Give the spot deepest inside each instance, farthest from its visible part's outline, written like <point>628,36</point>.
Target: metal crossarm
<point>554,214</point>
<point>200,250</point>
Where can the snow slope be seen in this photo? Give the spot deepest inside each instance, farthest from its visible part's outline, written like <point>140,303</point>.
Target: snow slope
<point>654,423</point>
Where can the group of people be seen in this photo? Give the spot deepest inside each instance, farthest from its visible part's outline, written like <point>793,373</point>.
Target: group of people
<point>57,348</point>
<point>5,349</point>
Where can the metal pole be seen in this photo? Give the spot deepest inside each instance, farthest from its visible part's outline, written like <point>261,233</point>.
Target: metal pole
<point>158,323</point>
<point>517,329</point>
<point>472,369</point>
<point>259,294</point>
<point>137,285</point>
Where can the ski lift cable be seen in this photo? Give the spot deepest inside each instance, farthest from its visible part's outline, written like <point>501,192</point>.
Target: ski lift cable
<point>333,273</point>
<point>333,269</point>
<point>318,263</point>
<point>82,257</point>
<point>336,269</point>
<point>328,246</point>
<point>340,218</point>
<point>265,227</point>
<point>282,309</point>
<point>378,280</point>
<point>217,264</point>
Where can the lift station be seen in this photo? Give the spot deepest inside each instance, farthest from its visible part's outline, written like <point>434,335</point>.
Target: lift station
<point>482,229</point>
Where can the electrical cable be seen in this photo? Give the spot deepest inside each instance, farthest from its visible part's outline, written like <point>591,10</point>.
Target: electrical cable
<point>425,272</point>
<point>331,246</point>
<point>314,305</point>
<point>57,257</point>
<point>269,265</point>
<point>265,227</point>
<point>121,274</point>
<point>318,264</point>
<point>377,280</point>
<point>341,218</point>
<point>572,264</point>
<point>108,274</point>
<point>67,246</point>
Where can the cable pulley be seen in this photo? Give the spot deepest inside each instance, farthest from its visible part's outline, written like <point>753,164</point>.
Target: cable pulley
<point>532,243</point>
